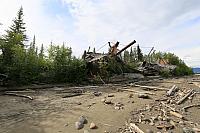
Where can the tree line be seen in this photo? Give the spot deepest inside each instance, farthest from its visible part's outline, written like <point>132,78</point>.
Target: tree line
<point>25,64</point>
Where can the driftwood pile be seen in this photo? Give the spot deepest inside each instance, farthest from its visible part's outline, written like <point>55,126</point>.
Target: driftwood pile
<point>166,113</point>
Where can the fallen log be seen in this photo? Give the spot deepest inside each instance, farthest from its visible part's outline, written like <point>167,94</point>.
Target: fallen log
<point>151,87</point>
<point>135,128</point>
<point>176,114</point>
<point>18,95</point>
<point>196,129</point>
<point>172,90</point>
<point>190,106</point>
<point>72,95</point>
<point>137,92</point>
<point>186,96</point>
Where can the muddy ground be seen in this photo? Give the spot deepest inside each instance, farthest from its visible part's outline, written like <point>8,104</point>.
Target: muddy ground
<point>49,112</point>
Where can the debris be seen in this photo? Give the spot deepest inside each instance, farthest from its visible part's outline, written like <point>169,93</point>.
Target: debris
<point>110,95</point>
<point>96,93</point>
<point>72,95</point>
<point>172,91</point>
<point>103,100</point>
<point>176,114</point>
<point>186,96</point>
<point>18,95</point>
<point>144,92</point>
<point>173,109</point>
<point>93,126</point>
<point>118,106</point>
<point>79,125</point>
<point>82,120</point>
<point>66,125</point>
<point>188,130</point>
<point>190,106</point>
<point>151,87</point>
<point>108,102</point>
<point>196,129</point>
<point>130,95</point>
<point>135,128</point>
<point>145,96</point>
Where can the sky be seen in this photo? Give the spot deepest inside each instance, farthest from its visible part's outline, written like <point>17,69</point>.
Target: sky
<point>168,25</point>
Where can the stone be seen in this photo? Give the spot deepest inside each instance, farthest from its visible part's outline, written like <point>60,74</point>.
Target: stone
<point>110,95</point>
<point>103,100</point>
<point>66,125</point>
<point>93,126</point>
<point>149,131</point>
<point>86,131</point>
<point>145,96</point>
<point>96,93</point>
<point>108,102</point>
<point>79,125</point>
<point>188,130</point>
<point>130,96</point>
<point>82,120</point>
<point>117,108</point>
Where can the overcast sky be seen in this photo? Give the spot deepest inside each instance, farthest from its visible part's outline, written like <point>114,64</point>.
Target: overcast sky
<point>168,25</point>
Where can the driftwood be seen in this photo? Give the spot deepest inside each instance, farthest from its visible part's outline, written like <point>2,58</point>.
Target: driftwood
<point>137,92</point>
<point>176,114</point>
<point>186,96</point>
<point>72,95</point>
<point>172,90</point>
<point>151,87</point>
<point>135,128</point>
<point>18,95</point>
<point>173,109</point>
<point>196,129</point>
<point>190,106</point>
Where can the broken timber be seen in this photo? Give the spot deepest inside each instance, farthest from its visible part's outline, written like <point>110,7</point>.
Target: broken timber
<point>18,95</point>
<point>176,114</point>
<point>186,96</point>
<point>135,128</point>
<point>138,92</point>
<point>171,91</point>
<point>190,106</point>
<point>152,87</point>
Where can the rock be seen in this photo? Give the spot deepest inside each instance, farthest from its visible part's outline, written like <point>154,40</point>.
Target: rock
<point>188,130</point>
<point>79,103</point>
<point>66,125</point>
<point>82,120</point>
<point>92,126</point>
<point>96,93</point>
<point>110,95</point>
<point>145,96</point>
<point>78,125</point>
<point>85,131</point>
<point>117,108</point>
<point>103,100</point>
<point>118,104</point>
<point>149,131</point>
<point>130,96</point>
<point>107,102</point>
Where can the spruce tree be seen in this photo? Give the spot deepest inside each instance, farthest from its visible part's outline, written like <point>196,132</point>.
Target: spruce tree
<point>139,53</point>
<point>16,32</point>
<point>41,54</point>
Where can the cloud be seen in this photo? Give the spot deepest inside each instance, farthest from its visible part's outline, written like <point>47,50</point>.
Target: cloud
<point>167,24</point>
